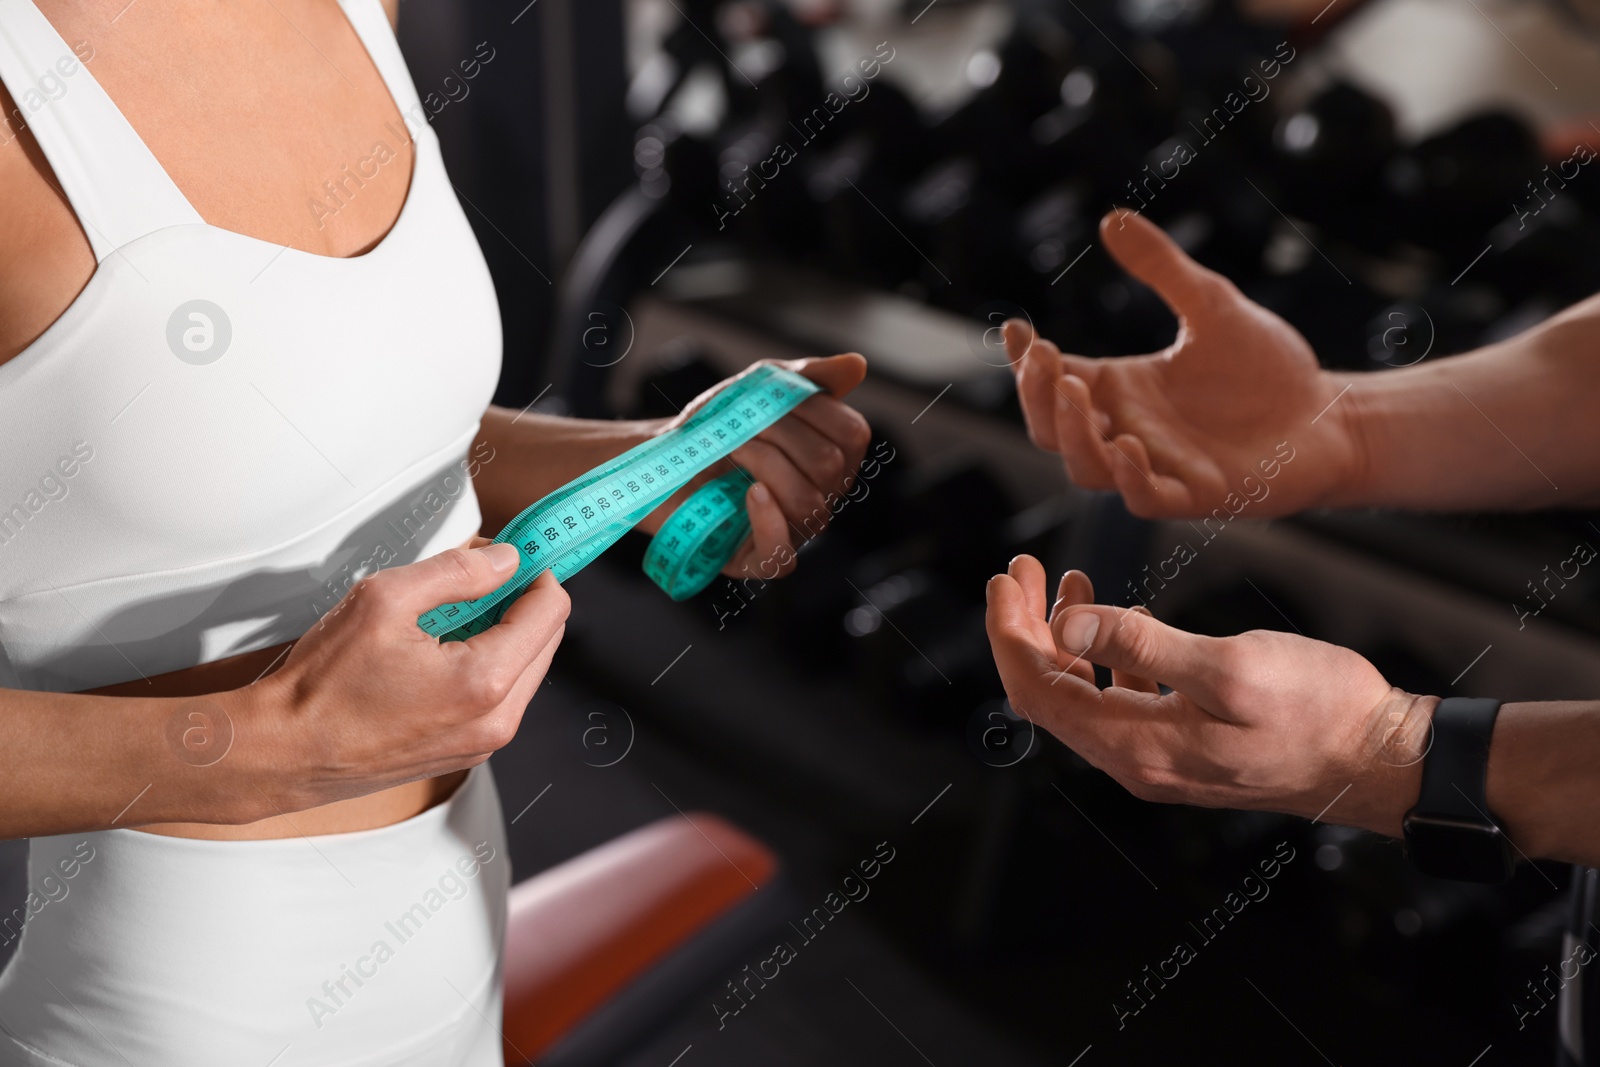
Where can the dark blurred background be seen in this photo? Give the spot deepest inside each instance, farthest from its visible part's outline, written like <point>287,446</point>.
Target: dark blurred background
<point>666,191</point>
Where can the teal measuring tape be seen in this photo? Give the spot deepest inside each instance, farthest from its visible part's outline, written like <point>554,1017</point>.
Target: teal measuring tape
<point>564,531</point>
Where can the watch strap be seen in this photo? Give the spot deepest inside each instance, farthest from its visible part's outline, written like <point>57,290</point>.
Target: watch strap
<point>1456,769</point>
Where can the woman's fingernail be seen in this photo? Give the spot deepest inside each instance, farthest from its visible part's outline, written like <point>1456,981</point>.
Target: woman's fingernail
<point>1077,633</point>
<point>759,491</point>
<point>502,557</point>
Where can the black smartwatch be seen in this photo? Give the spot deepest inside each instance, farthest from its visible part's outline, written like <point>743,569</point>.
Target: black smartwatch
<point>1450,832</point>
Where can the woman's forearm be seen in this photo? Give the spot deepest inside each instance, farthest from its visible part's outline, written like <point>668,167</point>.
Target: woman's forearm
<point>1509,426</point>
<point>531,455</point>
<point>73,763</point>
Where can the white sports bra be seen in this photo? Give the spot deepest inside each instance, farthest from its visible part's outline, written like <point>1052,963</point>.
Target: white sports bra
<point>219,434</point>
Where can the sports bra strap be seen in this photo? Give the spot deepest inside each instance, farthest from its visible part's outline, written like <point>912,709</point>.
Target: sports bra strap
<point>372,26</point>
<point>111,179</point>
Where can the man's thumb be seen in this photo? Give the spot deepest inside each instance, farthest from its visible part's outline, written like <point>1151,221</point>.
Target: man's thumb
<point>1146,252</point>
<point>1139,644</point>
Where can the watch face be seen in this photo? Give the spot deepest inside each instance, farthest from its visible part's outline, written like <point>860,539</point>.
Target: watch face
<point>1447,846</point>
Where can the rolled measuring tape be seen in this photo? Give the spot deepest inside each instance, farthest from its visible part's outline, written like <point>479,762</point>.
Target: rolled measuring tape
<point>564,531</point>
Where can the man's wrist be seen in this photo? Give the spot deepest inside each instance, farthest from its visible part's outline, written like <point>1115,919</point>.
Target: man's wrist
<point>1352,417</point>
<point>1389,782</point>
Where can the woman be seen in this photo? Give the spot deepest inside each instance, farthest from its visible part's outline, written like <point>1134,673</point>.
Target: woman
<point>262,826</point>
<point>1274,721</point>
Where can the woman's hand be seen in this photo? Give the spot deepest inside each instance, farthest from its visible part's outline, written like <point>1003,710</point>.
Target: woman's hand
<point>796,464</point>
<point>1265,720</point>
<point>366,700</point>
<point>1176,432</point>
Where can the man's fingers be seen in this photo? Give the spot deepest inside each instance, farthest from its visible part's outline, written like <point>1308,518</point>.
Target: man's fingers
<point>1146,252</point>
<point>1019,336</point>
<point>1028,573</point>
<point>1080,441</point>
<point>1023,651</point>
<point>1037,366</point>
<point>1110,729</point>
<point>1125,680</point>
<point>1146,492</point>
<point>1145,647</point>
<point>1074,588</point>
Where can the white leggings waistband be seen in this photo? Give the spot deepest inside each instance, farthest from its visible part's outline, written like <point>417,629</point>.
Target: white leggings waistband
<point>376,947</point>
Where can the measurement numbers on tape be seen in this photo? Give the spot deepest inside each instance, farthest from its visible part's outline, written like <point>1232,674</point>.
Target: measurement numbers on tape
<point>564,531</point>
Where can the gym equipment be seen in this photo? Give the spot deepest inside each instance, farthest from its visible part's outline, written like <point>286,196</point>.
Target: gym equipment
<point>601,951</point>
<point>1454,186</point>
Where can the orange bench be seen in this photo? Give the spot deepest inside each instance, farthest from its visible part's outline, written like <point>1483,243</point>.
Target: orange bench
<point>604,947</point>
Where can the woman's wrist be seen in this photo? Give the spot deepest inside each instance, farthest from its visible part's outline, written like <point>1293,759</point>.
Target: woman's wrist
<point>530,456</point>
<point>213,755</point>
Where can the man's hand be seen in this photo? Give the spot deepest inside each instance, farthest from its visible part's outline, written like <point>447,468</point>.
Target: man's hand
<point>795,466</point>
<point>1176,432</point>
<point>1266,720</point>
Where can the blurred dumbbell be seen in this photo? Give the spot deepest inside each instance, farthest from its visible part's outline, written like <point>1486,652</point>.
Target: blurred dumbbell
<point>1453,187</point>
<point>1331,150</point>
<point>1014,84</point>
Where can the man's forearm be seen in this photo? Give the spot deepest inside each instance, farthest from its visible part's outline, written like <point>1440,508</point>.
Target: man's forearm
<point>536,454</point>
<point>1544,779</point>
<point>1510,426</point>
<point>1543,784</point>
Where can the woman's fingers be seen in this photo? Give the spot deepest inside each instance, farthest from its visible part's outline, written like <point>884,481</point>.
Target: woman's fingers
<point>803,505</point>
<point>496,729</point>
<point>527,629</point>
<point>820,458</point>
<point>837,374</point>
<point>841,425</point>
<point>769,550</point>
<point>401,594</point>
